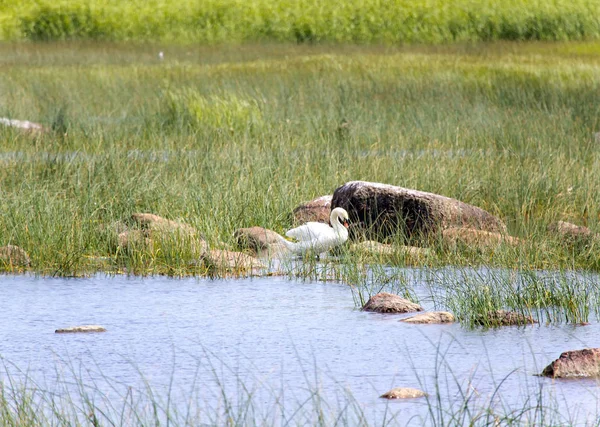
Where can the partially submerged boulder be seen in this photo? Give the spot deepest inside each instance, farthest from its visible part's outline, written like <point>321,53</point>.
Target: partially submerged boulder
<point>317,210</point>
<point>479,239</point>
<point>403,393</point>
<point>81,329</point>
<point>503,318</point>
<point>229,261</point>
<point>571,233</point>
<point>379,211</point>
<point>14,256</point>
<point>384,302</point>
<point>432,317</point>
<point>260,241</point>
<point>577,363</point>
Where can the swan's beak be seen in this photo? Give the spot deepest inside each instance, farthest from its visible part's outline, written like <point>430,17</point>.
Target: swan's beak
<point>346,223</point>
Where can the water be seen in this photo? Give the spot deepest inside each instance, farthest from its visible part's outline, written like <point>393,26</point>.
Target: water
<point>214,342</point>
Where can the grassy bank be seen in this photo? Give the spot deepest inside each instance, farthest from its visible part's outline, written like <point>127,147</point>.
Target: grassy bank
<point>371,21</point>
<point>230,137</point>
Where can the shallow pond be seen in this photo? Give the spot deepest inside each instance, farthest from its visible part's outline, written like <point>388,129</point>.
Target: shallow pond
<point>285,351</point>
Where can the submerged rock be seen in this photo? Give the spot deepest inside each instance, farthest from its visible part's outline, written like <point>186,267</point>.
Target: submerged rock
<point>390,303</point>
<point>503,318</point>
<point>403,393</point>
<point>479,239</point>
<point>379,211</point>
<point>317,210</point>
<point>577,363</point>
<point>83,328</point>
<point>261,241</point>
<point>14,256</point>
<point>432,317</point>
<point>571,233</point>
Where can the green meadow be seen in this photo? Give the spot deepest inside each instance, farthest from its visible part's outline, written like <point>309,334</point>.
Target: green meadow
<point>235,136</point>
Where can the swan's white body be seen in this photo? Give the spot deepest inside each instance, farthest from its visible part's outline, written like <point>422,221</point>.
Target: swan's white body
<point>317,237</point>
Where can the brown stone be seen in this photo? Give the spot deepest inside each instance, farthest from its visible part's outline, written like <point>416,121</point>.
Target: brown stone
<point>317,210</point>
<point>431,317</point>
<point>503,318</point>
<point>403,393</point>
<point>379,211</point>
<point>261,241</point>
<point>157,223</point>
<point>577,363</point>
<point>390,303</point>
<point>137,238</point>
<point>570,233</point>
<point>14,256</point>
<point>478,239</point>
<point>231,261</point>
<point>83,328</point>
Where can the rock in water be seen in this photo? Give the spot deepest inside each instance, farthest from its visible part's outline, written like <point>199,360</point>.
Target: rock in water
<point>503,318</point>
<point>577,363</point>
<point>390,303</point>
<point>82,328</point>
<point>432,317</point>
<point>403,393</point>
<point>379,211</point>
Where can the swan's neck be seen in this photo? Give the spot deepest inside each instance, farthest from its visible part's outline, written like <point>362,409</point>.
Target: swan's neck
<point>339,229</point>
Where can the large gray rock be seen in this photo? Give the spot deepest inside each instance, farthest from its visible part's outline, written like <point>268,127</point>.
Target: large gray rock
<point>317,210</point>
<point>577,363</point>
<point>14,256</point>
<point>403,393</point>
<point>390,303</point>
<point>379,211</point>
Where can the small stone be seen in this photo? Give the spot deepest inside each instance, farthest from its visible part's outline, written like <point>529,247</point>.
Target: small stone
<point>261,241</point>
<point>390,303</point>
<point>371,247</point>
<point>570,233</point>
<point>24,125</point>
<point>14,256</point>
<point>403,393</point>
<point>78,329</point>
<point>317,210</point>
<point>503,318</point>
<point>157,223</point>
<point>232,261</point>
<point>431,318</point>
<point>576,363</point>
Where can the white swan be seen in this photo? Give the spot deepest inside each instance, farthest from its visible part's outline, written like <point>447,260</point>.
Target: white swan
<point>317,237</point>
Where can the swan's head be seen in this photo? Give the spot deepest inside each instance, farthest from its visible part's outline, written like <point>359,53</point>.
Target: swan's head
<point>341,216</point>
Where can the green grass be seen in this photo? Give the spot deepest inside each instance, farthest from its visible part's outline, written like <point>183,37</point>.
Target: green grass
<point>230,137</point>
<point>356,21</point>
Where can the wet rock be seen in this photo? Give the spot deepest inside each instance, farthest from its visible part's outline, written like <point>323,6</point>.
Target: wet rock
<point>157,223</point>
<point>379,211</point>
<point>403,393</point>
<point>503,318</point>
<point>476,238</point>
<point>23,125</point>
<point>317,210</point>
<point>232,261</point>
<point>83,328</point>
<point>431,317</point>
<point>14,256</point>
<point>371,247</point>
<point>390,303</point>
<point>577,363</point>
<point>571,233</point>
<point>261,241</point>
